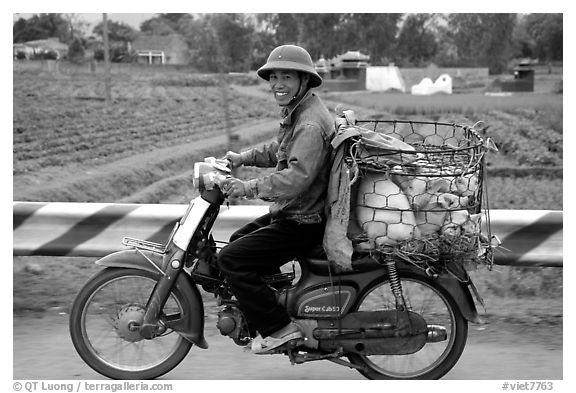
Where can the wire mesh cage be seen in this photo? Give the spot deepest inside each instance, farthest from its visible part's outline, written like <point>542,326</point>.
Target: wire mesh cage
<point>422,199</point>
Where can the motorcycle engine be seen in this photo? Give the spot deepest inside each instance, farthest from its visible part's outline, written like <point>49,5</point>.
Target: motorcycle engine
<point>231,323</point>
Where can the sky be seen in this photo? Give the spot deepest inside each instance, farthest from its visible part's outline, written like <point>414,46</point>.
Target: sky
<point>132,19</point>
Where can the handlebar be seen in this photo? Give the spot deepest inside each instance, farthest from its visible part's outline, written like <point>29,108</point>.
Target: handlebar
<point>210,173</point>
<point>221,164</point>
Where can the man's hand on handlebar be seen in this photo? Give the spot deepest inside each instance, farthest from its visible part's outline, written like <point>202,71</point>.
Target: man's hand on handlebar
<point>234,158</point>
<point>236,188</point>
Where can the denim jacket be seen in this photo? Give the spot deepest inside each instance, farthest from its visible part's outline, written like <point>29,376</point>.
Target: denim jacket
<point>301,154</point>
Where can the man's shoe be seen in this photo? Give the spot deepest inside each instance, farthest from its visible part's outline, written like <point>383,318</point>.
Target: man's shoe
<point>254,343</point>
<point>268,344</point>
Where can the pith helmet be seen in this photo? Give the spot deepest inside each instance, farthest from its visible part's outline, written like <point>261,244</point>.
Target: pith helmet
<point>290,57</point>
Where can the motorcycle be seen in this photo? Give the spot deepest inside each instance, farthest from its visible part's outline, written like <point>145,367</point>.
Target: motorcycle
<point>139,317</point>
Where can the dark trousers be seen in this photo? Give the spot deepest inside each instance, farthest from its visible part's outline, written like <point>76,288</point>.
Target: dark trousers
<point>258,249</point>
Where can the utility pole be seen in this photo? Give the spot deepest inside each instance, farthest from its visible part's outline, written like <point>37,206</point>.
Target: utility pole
<point>223,68</point>
<point>107,87</point>
<point>225,86</point>
<point>232,138</point>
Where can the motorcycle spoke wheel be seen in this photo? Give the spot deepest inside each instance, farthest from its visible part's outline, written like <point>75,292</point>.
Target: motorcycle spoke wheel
<point>104,326</point>
<point>437,307</point>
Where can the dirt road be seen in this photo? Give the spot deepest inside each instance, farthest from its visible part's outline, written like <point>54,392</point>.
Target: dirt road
<point>43,350</point>
<point>519,340</point>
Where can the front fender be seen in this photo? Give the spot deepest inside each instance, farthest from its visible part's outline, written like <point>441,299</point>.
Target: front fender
<point>191,326</point>
<point>133,259</point>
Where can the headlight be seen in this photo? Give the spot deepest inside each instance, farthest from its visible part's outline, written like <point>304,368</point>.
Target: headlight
<point>203,176</point>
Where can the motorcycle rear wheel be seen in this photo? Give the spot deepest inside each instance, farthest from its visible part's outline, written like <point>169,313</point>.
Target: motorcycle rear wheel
<point>426,297</point>
<point>102,326</point>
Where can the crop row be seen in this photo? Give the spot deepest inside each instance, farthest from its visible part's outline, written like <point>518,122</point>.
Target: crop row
<point>64,123</point>
<point>526,139</point>
<point>524,193</point>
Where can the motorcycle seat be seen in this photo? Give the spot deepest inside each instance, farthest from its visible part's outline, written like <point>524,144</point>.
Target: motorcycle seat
<point>317,260</point>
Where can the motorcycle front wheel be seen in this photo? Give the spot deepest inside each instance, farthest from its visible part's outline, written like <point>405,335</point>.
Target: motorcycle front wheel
<point>104,326</point>
<point>426,297</point>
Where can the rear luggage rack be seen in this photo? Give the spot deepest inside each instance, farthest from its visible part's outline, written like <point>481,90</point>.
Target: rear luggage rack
<point>144,245</point>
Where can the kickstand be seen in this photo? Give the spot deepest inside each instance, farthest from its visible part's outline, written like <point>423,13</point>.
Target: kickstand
<point>334,357</point>
<point>346,364</point>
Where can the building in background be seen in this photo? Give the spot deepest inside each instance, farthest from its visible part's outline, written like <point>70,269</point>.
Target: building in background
<point>161,49</point>
<point>48,48</point>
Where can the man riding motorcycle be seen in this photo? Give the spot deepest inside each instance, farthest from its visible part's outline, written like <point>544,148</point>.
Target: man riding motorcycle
<point>297,189</point>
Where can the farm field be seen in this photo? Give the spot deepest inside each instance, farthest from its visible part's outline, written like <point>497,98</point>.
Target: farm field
<point>62,130</point>
<point>69,146</point>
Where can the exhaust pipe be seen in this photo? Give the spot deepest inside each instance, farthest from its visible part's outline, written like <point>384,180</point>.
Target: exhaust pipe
<point>436,333</point>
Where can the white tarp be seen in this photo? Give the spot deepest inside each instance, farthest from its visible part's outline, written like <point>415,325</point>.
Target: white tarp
<point>384,78</point>
<point>442,85</point>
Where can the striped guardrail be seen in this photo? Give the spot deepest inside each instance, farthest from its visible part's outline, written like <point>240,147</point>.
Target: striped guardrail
<point>529,237</point>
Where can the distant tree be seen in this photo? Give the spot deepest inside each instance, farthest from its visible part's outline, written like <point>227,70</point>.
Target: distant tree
<point>317,33</point>
<point>466,32</point>
<point>174,19</point>
<point>219,42</point>
<point>157,26</point>
<point>272,30</point>
<point>286,28</point>
<point>76,27</point>
<point>263,44</point>
<point>117,31</point>
<point>202,42</point>
<point>165,24</point>
<point>21,31</point>
<point>546,31</point>
<point>416,45</point>
<point>373,34</point>
<point>119,53</point>
<point>447,51</point>
<point>333,34</point>
<point>483,39</point>
<point>76,51</point>
<point>120,35</point>
<point>235,40</point>
<point>40,26</point>
<point>498,45</point>
<point>524,45</point>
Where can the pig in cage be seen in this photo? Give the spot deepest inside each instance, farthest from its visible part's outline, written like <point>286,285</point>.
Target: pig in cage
<point>418,193</point>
